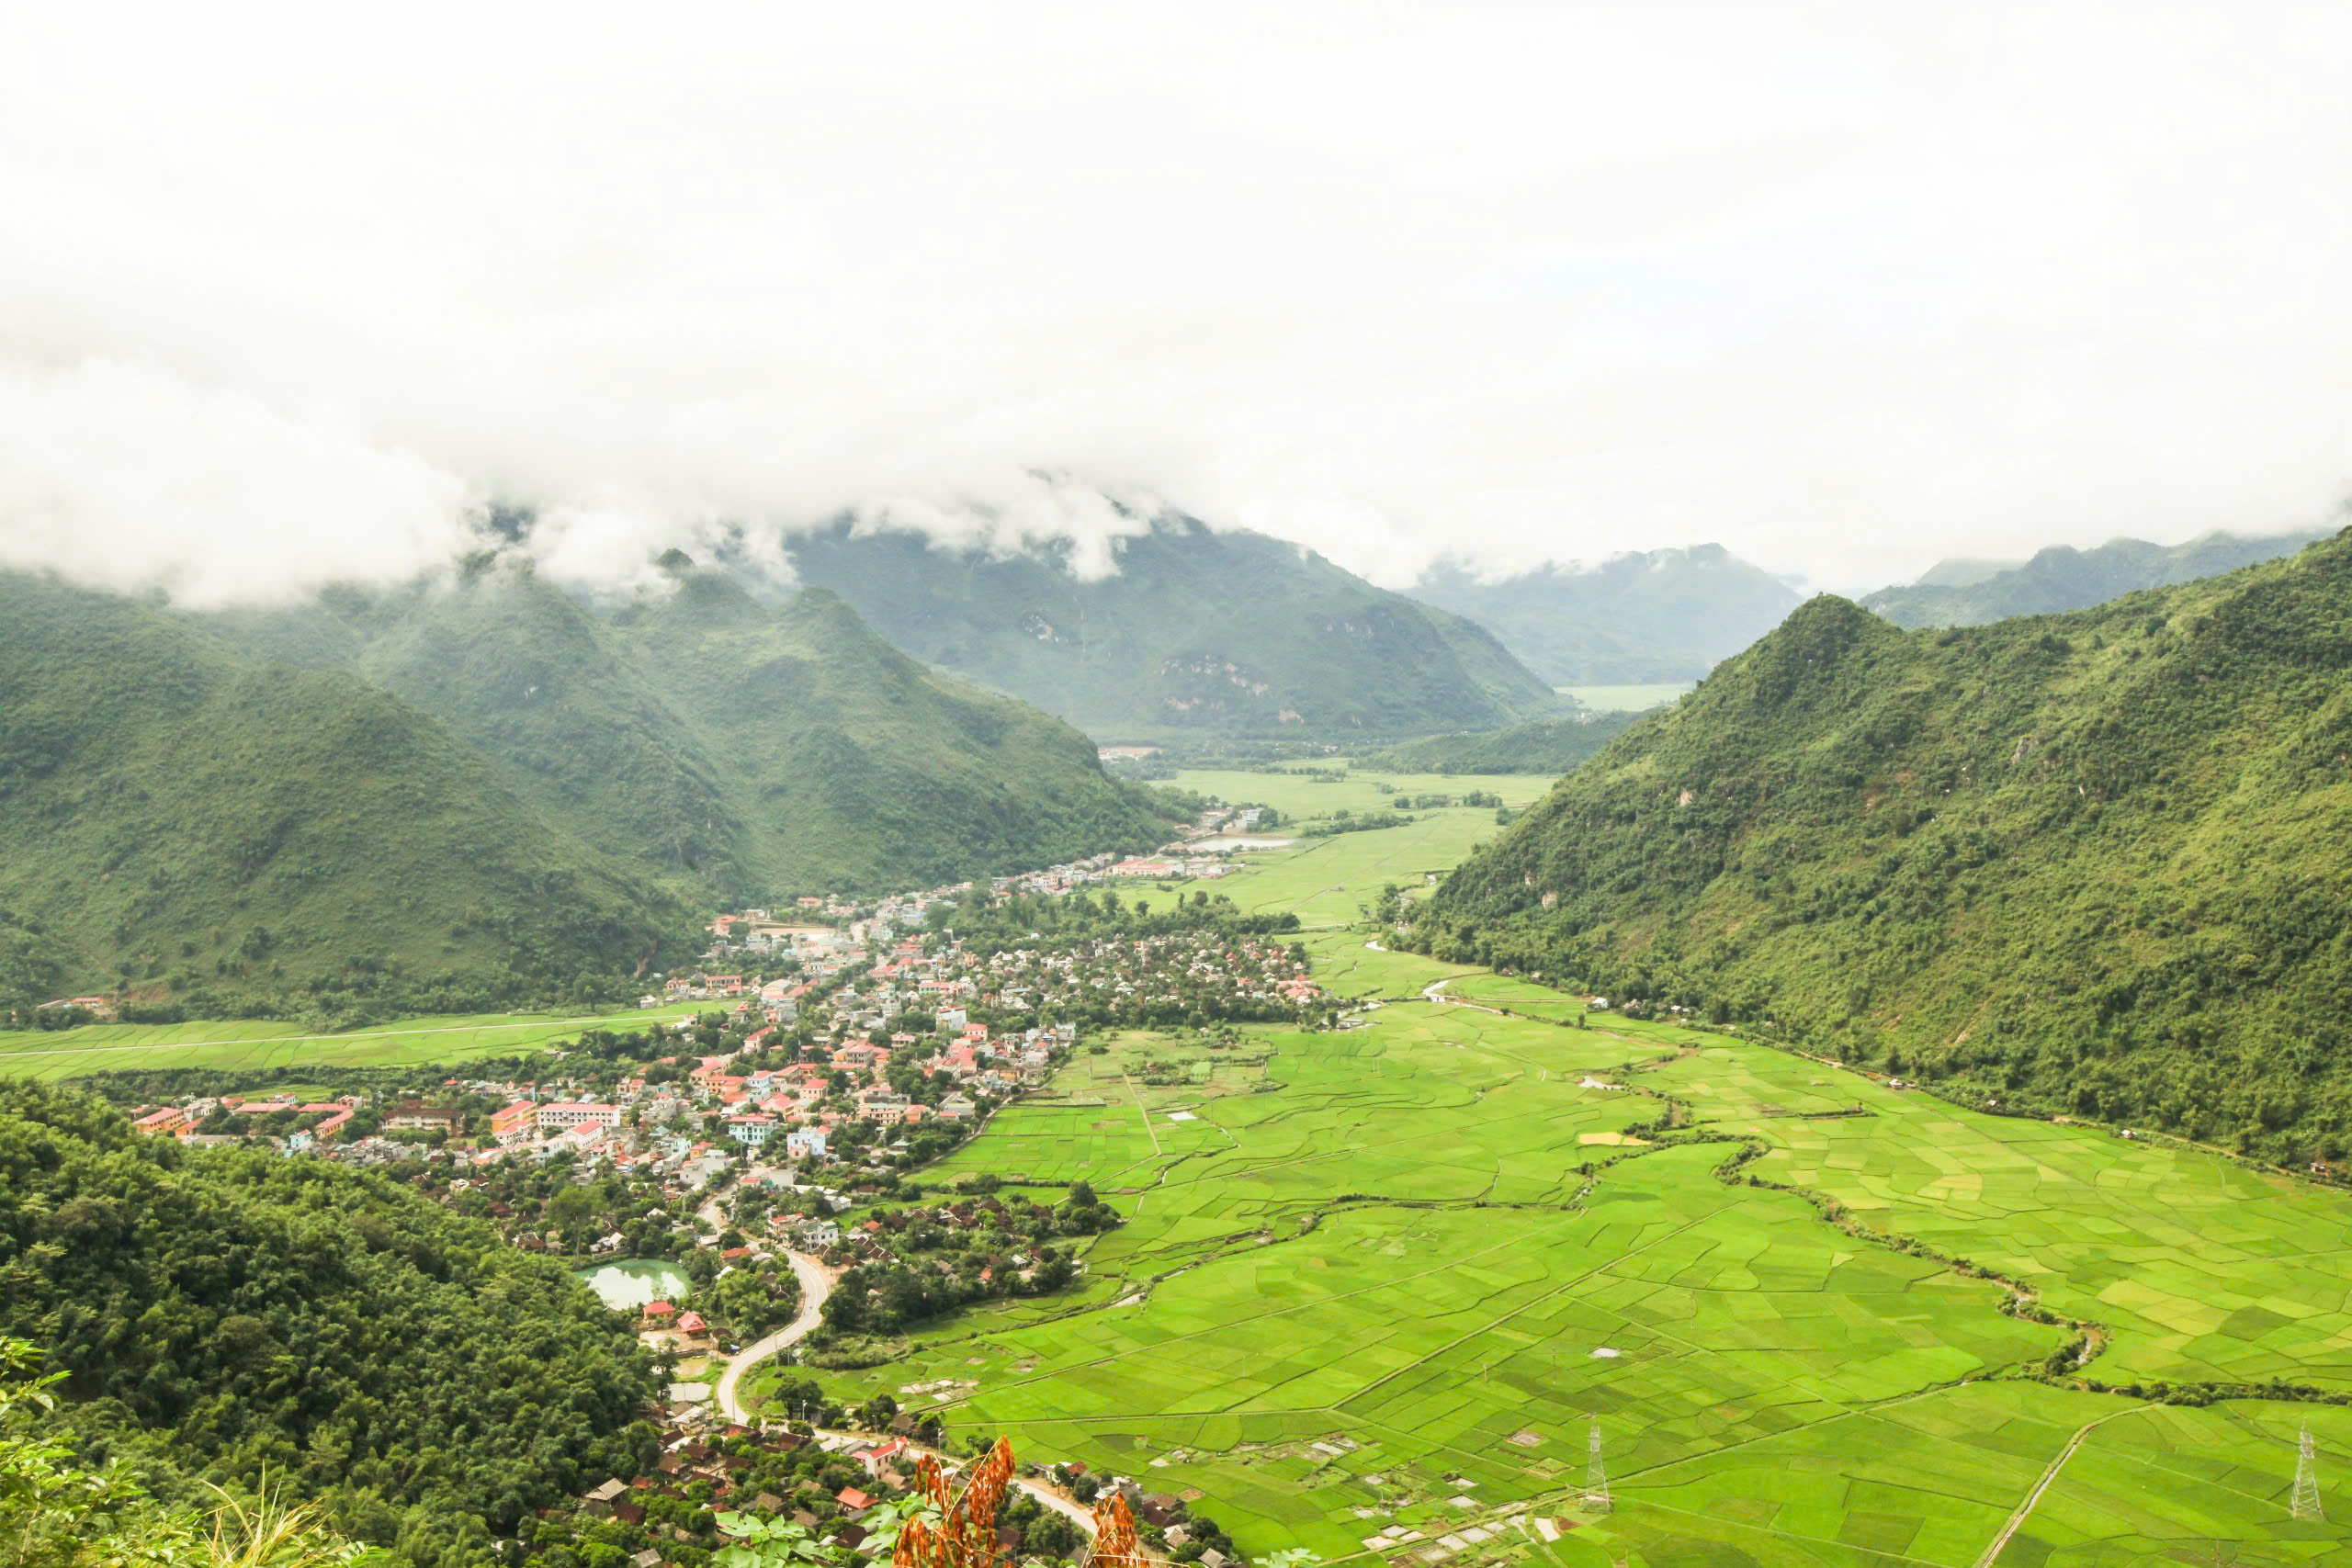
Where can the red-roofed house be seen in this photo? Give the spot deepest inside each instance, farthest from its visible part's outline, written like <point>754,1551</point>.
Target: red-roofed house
<point>162,1123</point>
<point>693,1326</point>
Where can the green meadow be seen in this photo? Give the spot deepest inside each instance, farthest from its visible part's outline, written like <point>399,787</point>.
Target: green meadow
<point>1376,1285</point>
<point>248,1045</point>
<point>1328,881</point>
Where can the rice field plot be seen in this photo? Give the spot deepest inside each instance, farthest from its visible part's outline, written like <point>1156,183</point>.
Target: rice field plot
<point>1935,1479</point>
<point>1386,1254</point>
<point>1330,882</point>
<point>1298,795</point>
<point>2202,1270</point>
<point>263,1044</point>
<point>1376,1311</point>
<point>1348,964</point>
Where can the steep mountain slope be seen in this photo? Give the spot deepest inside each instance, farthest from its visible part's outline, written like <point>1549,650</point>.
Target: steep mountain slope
<point>534,681</point>
<point>2093,861</point>
<point>188,821</point>
<point>746,750</point>
<point>1197,629</point>
<point>2063,578</point>
<point>1656,616</point>
<point>852,765</point>
<point>1546,746</point>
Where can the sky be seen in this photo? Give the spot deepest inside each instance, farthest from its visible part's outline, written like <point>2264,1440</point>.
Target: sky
<point>294,294</point>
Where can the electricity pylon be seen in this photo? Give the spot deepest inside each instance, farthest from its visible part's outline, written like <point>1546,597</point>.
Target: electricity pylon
<point>2306,1502</point>
<point>1596,1476</point>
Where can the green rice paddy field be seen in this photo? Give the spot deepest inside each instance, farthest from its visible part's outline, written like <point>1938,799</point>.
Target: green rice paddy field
<point>241,1045</point>
<point>1375,1285</point>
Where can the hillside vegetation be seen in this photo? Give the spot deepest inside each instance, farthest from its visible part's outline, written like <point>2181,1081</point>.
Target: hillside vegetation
<point>202,829</point>
<point>2091,862</point>
<point>1545,746</point>
<point>1969,593</point>
<point>1658,615</point>
<point>221,1311</point>
<point>464,795</point>
<point>1195,631</point>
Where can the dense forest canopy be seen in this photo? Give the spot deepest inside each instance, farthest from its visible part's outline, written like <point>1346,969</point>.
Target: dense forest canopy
<point>2094,862</point>
<point>223,1313</point>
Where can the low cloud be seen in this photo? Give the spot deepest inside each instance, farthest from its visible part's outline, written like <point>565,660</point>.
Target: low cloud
<point>291,297</point>
<point>127,477</point>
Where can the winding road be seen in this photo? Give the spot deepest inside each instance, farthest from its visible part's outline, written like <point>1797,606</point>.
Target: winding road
<point>817,1283</point>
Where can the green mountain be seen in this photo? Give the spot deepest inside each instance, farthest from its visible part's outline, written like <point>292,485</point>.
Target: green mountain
<point>184,822</point>
<point>2091,862</point>
<point>1196,630</point>
<point>234,1314</point>
<point>746,749</point>
<point>851,765</point>
<point>1969,593</point>
<point>463,795</point>
<point>1655,616</point>
<point>1546,746</point>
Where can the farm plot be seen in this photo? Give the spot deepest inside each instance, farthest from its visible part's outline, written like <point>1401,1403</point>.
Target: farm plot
<point>2203,1272</point>
<point>260,1045</point>
<point>1375,1308</point>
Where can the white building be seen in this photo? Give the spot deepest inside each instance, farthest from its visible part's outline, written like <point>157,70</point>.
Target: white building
<point>562,1115</point>
<point>753,1130</point>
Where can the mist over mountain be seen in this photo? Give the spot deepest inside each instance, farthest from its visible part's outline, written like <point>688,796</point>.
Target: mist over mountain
<point>1177,627</point>
<point>1653,616</point>
<point>1969,593</point>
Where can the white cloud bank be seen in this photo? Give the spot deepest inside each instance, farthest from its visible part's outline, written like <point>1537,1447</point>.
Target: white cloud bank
<point>291,293</point>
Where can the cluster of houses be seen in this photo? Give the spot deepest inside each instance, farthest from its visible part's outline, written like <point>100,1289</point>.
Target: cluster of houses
<point>295,1124</point>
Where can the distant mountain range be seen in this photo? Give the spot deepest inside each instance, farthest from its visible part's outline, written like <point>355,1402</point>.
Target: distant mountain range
<point>1973,592</point>
<point>1196,630</point>
<point>2090,862</point>
<point>1662,616</point>
<point>459,794</point>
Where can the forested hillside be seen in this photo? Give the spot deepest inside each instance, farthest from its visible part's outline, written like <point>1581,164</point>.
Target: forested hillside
<point>471,794</point>
<point>1546,746</point>
<point>1959,593</point>
<point>742,751</point>
<point>1196,630</point>
<point>2092,863</point>
<point>202,830</point>
<point>853,766</point>
<point>228,1311</point>
<point>1658,615</point>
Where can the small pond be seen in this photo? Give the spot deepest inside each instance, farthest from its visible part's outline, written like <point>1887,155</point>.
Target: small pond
<point>628,1285</point>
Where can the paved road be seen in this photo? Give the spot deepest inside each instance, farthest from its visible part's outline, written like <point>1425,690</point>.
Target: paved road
<point>816,1284</point>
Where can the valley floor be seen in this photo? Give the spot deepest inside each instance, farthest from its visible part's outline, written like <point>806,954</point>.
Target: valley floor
<point>1377,1286</point>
